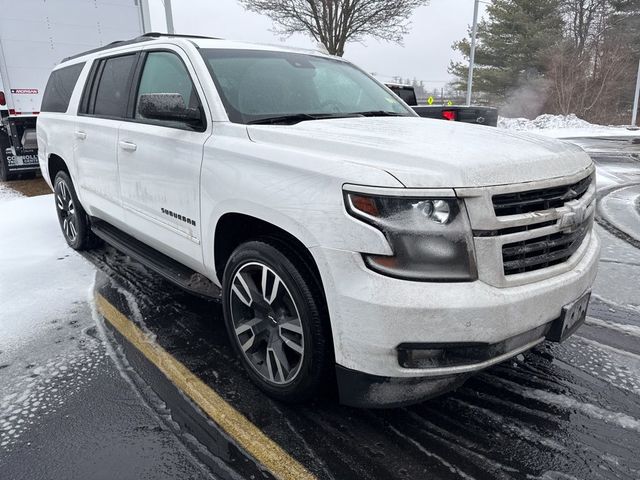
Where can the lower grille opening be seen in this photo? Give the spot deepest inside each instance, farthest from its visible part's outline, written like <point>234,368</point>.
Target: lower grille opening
<point>438,355</point>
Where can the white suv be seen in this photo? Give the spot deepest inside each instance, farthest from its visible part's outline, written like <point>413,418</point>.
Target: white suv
<point>348,239</point>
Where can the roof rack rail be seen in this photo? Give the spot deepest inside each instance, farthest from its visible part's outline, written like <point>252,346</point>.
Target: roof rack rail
<point>146,37</point>
<point>117,43</point>
<point>181,35</point>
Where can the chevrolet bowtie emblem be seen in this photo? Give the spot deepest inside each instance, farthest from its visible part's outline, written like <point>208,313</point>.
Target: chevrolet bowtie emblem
<point>573,215</point>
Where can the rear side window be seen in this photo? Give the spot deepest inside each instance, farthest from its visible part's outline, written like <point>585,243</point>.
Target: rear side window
<point>408,95</point>
<point>57,93</point>
<point>112,92</point>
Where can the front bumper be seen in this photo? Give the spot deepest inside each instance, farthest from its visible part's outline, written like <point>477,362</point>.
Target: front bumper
<point>362,390</point>
<point>371,315</point>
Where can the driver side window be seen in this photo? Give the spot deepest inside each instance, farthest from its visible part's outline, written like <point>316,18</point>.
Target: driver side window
<point>165,74</point>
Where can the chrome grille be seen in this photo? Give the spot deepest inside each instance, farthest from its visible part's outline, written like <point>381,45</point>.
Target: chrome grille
<point>517,249</point>
<point>542,199</point>
<point>543,252</point>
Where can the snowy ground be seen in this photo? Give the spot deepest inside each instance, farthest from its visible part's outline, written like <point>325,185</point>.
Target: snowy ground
<point>32,249</point>
<point>42,288</point>
<point>7,193</point>
<point>565,126</point>
<point>62,398</point>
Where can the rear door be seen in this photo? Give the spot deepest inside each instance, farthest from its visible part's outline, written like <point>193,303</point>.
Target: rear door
<point>102,108</point>
<point>159,160</point>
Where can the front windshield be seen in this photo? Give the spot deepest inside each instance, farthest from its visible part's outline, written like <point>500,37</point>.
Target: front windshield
<point>258,86</point>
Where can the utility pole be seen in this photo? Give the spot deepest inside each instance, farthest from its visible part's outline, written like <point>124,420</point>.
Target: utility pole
<point>146,16</point>
<point>634,116</point>
<point>168,13</point>
<point>472,56</point>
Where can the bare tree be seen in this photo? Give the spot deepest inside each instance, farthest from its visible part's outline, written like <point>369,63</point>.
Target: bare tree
<point>333,23</point>
<point>592,72</point>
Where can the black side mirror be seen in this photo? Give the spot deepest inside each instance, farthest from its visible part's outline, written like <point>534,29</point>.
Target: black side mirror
<point>168,107</point>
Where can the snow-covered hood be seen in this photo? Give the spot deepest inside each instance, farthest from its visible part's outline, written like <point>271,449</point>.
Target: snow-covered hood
<point>422,152</point>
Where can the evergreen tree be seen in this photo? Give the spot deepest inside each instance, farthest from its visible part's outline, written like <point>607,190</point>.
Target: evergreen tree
<point>511,46</point>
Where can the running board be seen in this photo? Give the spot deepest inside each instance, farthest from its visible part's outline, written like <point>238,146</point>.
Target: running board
<point>182,276</point>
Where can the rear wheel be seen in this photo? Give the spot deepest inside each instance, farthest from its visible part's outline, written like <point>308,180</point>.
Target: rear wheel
<point>74,221</point>
<point>4,167</point>
<point>275,319</point>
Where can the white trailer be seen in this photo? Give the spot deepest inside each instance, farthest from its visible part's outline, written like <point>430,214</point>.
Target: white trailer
<point>35,35</point>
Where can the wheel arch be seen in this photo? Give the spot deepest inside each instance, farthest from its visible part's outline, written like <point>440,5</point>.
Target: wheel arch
<point>55,164</point>
<point>235,228</point>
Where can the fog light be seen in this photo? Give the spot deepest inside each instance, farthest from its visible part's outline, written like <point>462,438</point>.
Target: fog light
<point>424,355</point>
<point>420,358</point>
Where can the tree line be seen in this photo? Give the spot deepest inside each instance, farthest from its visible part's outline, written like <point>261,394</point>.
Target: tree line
<point>556,56</point>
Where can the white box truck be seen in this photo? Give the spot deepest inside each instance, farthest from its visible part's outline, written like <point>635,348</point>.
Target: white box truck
<point>36,35</point>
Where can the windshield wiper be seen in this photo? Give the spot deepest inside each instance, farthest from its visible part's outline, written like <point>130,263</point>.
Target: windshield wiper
<point>300,117</point>
<point>286,119</point>
<point>381,113</point>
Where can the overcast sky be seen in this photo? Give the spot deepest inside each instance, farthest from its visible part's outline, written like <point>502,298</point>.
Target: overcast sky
<point>425,55</point>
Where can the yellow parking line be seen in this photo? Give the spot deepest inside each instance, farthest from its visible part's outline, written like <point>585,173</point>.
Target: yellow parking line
<point>236,425</point>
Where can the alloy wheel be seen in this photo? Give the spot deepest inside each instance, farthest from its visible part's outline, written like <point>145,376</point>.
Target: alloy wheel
<point>267,323</point>
<point>66,211</point>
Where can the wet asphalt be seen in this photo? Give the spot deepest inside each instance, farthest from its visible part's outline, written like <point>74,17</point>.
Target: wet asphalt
<point>70,414</point>
<point>558,412</point>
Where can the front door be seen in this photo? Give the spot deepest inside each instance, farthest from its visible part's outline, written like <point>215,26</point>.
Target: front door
<point>159,162</point>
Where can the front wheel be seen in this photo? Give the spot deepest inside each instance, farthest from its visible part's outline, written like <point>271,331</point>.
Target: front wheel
<point>74,221</point>
<point>276,321</point>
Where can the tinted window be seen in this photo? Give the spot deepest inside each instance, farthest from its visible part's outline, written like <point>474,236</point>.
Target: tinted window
<point>406,94</point>
<point>165,73</point>
<point>60,87</point>
<point>113,90</point>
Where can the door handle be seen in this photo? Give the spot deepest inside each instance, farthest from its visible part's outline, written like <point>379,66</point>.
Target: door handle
<point>129,146</point>
<point>81,135</point>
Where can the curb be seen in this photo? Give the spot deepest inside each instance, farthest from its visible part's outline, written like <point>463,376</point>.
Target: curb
<point>619,212</point>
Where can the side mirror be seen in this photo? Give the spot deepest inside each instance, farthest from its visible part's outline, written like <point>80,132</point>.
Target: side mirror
<point>168,107</point>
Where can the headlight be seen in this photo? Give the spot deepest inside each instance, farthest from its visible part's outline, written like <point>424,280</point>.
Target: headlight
<point>430,237</point>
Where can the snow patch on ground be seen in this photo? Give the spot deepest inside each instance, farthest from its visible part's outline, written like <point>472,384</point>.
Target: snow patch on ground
<point>47,352</point>
<point>616,367</point>
<point>43,385</point>
<point>617,418</point>
<point>564,126</point>
<point>7,193</point>
<point>624,328</point>
<point>40,276</point>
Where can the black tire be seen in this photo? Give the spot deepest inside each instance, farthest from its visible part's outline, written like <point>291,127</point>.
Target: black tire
<point>316,363</point>
<point>4,168</point>
<point>74,221</point>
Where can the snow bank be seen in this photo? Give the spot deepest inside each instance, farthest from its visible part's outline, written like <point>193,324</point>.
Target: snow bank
<point>545,121</point>
<point>564,126</point>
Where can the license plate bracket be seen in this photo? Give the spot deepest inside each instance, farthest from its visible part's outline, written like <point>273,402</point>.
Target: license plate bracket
<point>573,315</point>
